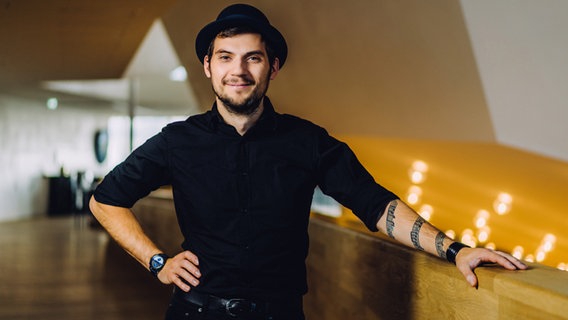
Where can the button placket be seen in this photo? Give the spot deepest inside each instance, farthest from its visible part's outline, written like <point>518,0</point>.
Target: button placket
<point>244,194</point>
<point>244,183</point>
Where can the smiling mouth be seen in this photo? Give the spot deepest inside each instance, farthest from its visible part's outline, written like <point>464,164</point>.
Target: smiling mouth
<point>238,83</point>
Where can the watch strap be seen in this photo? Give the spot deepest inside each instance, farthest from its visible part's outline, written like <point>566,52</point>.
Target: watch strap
<point>453,250</point>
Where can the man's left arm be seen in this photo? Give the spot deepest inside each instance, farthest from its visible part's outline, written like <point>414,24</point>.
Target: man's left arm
<point>403,224</point>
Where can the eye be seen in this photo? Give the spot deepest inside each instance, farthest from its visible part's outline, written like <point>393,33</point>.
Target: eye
<point>224,57</point>
<point>255,58</point>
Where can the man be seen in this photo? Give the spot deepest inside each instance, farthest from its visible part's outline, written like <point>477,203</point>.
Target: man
<point>243,178</point>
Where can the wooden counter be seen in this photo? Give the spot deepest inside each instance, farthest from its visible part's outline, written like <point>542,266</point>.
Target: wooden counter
<point>353,274</point>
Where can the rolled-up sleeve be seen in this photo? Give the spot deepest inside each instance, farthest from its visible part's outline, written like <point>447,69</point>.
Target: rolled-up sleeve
<point>343,177</point>
<point>145,170</point>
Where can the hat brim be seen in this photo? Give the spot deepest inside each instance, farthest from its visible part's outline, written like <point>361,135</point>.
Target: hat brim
<point>269,33</point>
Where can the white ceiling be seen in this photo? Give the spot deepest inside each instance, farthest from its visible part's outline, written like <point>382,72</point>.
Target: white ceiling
<point>146,82</point>
<point>521,49</point>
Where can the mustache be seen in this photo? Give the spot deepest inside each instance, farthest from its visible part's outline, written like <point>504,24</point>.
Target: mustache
<point>239,80</point>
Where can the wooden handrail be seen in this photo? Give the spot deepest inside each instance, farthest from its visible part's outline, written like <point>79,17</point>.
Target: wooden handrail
<point>355,275</point>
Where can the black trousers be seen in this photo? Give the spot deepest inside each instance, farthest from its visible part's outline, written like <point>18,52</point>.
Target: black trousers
<point>184,306</point>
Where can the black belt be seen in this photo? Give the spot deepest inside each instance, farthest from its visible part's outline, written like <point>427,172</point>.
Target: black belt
<point>237,307</point>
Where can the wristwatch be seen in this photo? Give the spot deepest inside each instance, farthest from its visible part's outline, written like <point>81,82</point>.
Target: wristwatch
<point>157,263</point>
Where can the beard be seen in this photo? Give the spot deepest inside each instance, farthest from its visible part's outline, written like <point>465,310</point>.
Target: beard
<point>245,107</point>
<point>251,103</point>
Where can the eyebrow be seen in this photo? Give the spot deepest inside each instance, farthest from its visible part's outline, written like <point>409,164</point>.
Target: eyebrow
<point>248,54</point>
<point>222,51</point>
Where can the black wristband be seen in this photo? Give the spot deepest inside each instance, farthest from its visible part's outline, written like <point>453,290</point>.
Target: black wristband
<point>453,250</point>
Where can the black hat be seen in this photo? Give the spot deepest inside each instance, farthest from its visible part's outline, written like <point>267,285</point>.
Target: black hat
<point>238,15</point>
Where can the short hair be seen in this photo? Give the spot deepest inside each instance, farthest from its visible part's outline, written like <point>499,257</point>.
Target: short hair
<point>233,31</point>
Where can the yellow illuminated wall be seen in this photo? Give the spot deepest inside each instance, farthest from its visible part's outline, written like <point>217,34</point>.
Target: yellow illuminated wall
<point>463,179</point>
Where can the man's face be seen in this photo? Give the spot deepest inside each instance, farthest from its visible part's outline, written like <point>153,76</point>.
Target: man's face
<point>240,72</point>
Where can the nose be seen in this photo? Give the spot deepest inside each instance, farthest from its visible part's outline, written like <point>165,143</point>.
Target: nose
<point>239,67</point>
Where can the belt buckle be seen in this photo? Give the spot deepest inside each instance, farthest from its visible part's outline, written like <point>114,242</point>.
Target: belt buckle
<point>236,307</point>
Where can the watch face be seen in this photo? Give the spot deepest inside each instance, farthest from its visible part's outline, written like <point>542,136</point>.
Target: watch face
<point>157,262</point>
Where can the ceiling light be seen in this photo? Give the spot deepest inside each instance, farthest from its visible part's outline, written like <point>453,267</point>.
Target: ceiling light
<point>502,204</point>
<point>483,234</point>
<point>414,193</point>
<point>481,218</point>
<point>540,255</point>
<point>179,74</point>
<point>426,212</point>
<point>469,238</point>
<point>548,242</point>
<point>418,172</point>
<point>518,252</point>
<point>52,103</point>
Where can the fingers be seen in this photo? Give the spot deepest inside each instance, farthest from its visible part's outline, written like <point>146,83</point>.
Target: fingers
<point>181,270</point>
<point>516,263</point>
<point>467,272</point>
<point>468,259</point>
<point>501,258</point>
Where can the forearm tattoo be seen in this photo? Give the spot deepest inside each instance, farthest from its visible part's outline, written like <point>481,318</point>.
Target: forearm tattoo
<point>440,237</point>
<point>390,219</point>
<point>415,233</point>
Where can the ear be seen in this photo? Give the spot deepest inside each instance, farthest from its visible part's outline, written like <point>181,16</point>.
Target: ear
<point>274,68</point>
<point>207,67</point>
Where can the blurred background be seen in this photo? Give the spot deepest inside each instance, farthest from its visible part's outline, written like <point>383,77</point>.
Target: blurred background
<point>457,106</point>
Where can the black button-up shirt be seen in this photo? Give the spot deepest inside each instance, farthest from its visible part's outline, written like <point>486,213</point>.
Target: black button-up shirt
<point>243,202</point>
